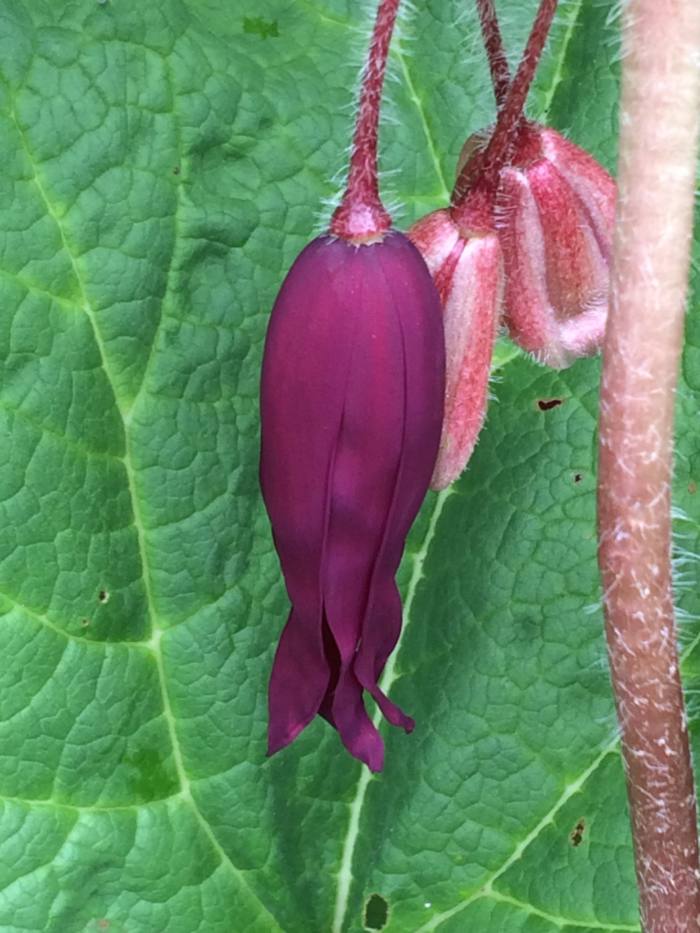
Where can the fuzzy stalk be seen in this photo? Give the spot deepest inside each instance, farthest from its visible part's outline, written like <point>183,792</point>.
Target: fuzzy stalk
<point>361,216</point>
<point>493,43</point>
<point>484,167</point>
<point>658,151</point>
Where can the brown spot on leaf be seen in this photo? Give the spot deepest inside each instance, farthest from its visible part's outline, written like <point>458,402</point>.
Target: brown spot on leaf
<point>576,834</point>
<point>544,404</point>
<point>692,488</point>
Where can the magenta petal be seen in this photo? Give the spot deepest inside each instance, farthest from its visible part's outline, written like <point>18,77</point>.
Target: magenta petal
<point>302,395</point>
<point>382,621</point>
<point>349,716</point>
<point>294,700</point>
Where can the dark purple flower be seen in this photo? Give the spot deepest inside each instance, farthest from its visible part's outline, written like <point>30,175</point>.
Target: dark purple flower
<point>351,406</point>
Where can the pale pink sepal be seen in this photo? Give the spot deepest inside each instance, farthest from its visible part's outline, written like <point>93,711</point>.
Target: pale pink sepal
<point>594,186</point>
<point>468,275</point>
<point>556,249</point>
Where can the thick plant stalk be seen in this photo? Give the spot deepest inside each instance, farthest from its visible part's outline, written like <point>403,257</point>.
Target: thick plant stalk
<point>659,127</point>
<point>361,215</point>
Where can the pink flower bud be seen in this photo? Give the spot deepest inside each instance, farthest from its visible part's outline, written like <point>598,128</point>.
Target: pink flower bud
<point>467,270</point>
<point>351,409</point>
<point>555,213</point>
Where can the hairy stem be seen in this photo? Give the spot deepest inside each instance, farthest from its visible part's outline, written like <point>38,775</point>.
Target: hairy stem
<point>486,165</point>
<point>659,126</point>
<point>493,43</point>
<point>361,217</point>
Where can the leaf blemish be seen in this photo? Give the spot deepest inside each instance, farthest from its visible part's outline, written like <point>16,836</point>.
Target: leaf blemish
<point>103,596</point>
<point>256,25</point>
<point>576,834</point>
<point>544,404</point>
<point>578,477</point>
<point>376,912</point>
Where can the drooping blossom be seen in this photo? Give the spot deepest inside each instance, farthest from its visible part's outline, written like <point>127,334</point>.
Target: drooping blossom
<point>351,404</point>
<point>351,410</point>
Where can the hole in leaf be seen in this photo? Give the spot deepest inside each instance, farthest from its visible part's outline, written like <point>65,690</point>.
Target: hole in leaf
<point>376,912</point>
<point>103,596</point>
<point>576,834</point>
<point>85,622</point>
<point>544,404</point>
<point>578,477</point>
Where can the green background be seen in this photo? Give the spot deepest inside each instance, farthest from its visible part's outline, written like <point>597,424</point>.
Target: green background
<point>162,164</point>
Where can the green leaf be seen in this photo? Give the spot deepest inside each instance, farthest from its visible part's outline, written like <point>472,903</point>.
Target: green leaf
<point>162,165</point>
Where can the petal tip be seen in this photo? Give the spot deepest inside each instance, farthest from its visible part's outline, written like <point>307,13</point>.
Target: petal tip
<point>277,740</point>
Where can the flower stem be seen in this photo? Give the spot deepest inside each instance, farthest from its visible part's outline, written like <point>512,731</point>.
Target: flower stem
<point>493,43</point>
<point>485,166</point>
<point>658,152</point>
<point>361,216</point>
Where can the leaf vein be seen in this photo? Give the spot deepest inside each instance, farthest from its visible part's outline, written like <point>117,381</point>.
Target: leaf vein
<point>556,919</point>
<point>344,876</point>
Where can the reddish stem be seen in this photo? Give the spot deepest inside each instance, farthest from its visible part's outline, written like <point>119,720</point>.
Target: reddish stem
<point>361,216</point>
<point>659,125</point>
<point>498,63</point>
<point>486,165</point>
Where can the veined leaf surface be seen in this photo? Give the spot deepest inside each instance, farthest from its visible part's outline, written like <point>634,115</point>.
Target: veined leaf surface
<point>162,165</point>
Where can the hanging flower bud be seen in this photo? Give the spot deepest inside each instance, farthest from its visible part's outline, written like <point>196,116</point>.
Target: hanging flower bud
<point>530,219</point>
<point>555,211</point>
<point>351,405</point>
<point>467,269</point>
<point>352,390</point>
